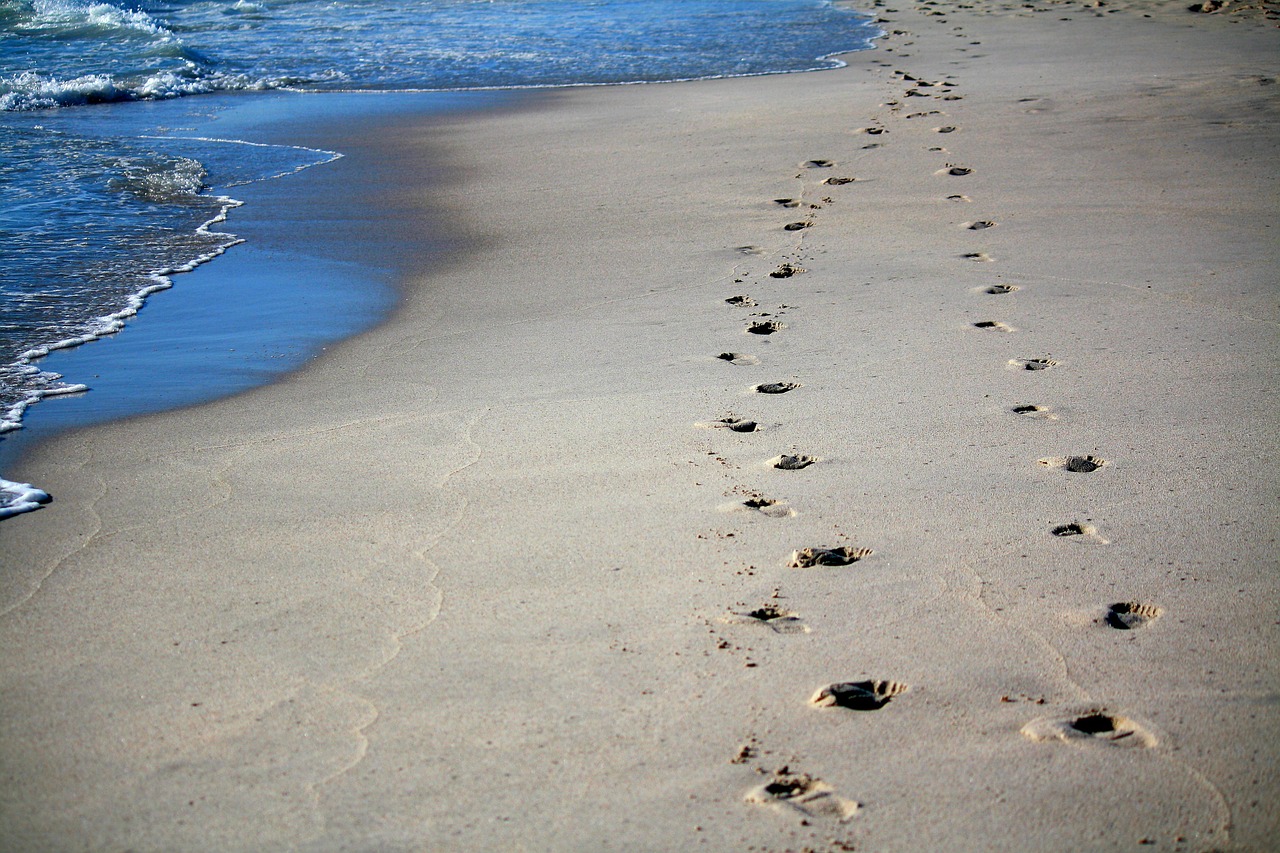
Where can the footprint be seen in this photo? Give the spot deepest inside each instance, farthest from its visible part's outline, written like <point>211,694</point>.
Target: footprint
<point>797,226</point>
<point>1032,363</point>
<point>1076,529</point>
<point>771,507</point>
<point>750,250</point>
<point>836,182</point>
<point>744,301</point>
<point>771,616</point>
<point>844,556</point>
<point>980,225</point>
<point>818,164</point>
<point>802,796</point>
<point>787,462</point>
<point>857,695</point>
<point>994,325</point>
<point>959,198</point>
<point>1130,615</point>
<point>765,327</point>
<point>980,257</point>
<point>786,271</point>
<point>1074,464</point>
<point>1000,289</point>
<point>787,202</point>
<point>1095,725</point>
<point>776,387</point>
<point>956,171</point>
<point>735,424</point>
<point>872,131</point>
<point>946,129</point>
<point>738,358</point>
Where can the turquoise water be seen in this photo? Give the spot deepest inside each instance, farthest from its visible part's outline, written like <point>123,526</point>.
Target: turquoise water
<point>116,183</point>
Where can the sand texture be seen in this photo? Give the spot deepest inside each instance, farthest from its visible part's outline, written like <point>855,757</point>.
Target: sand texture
<point>877,459</point>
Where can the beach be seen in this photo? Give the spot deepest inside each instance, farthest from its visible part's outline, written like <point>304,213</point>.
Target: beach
<point>881,458</point>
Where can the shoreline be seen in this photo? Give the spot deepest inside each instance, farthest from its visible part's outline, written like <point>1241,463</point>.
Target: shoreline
<point>221,330</point>
<point>484,577</point>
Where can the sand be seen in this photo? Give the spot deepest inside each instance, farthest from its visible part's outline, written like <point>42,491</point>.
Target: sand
<point>518,570</point>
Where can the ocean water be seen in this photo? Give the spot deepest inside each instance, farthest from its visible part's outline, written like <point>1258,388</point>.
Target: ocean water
<point>104,202</point>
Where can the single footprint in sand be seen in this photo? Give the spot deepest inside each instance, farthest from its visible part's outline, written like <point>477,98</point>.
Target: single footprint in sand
<point>1079,531</point>
<point>1130,615</point>
<point>1095,725</point>
<point>797,226</point>
<point>873,131</point>
<point>1032,363</point>
<point>1030,410</point>
<point>994,325</point>
<point>776,387</point>
<point>963,198</point>
<point>792,462</point>
<point>1000,289</point>
<point>770,616</point>
<point>730,423</point>
<point>837,182</point>
<point>818,164</point>
<point>765,506</point>
<point>979,257</point>
<point>803,797</point>
<point>738,358</point>
<point>956,171</point>
<point>787,202</point>
<point>741,301</point>
<point>805,558</point>
<point>786,271</point>
<point>1074,464</point>
<point>946,129</point>
<point>765,327</point>
<point>857,695</point>
<point>980,225</point>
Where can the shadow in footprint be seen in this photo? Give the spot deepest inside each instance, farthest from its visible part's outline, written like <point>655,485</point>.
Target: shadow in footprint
<point>797,226</point>
<point>765,327</point>
<point>741,301</point>
<point>792,462</point>
<point>734,424</point>
<point>1000,289</point>
<point>805,558</point>
<point>994,325</point>
<point>787,202</point>
<point>1074,464</point>
<point>1095,725</point>
<point>757,503</point>
<point>980,225</point>
<point>786,271</point>
<point>1130,615</point>
<point>838,182</point>
<point>738,358</point>
<point>776,387</point>
<point>802,796</point>
<point>770,616</point>
<point>1032,363</point>
<point>858,695</point>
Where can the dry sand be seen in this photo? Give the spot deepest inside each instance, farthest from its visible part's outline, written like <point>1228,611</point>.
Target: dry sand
<point>483,579</point>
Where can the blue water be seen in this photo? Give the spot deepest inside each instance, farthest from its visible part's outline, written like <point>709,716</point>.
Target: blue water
<point>104,202</point>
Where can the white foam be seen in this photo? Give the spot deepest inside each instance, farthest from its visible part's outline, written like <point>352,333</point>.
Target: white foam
<point>17,498</point>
